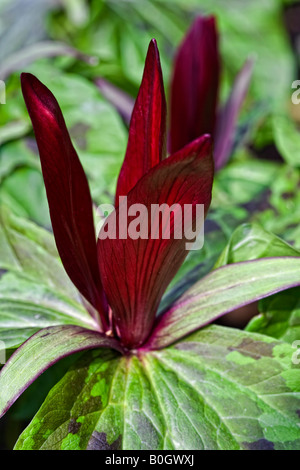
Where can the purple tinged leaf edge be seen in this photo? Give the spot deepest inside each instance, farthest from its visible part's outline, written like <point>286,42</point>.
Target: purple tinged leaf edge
<point>109,343</point>
<point>163,320</point>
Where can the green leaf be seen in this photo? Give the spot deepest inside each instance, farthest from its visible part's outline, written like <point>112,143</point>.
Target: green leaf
<point>29,249</point>
<point>21,183</point>
<point>26,307</point>
<point>222,291</point>
<point>250,242</point>
<point>279,316</point>
<point>287,139</point>
<point>42,350</point>
<point>35,291</point>
<point>241,181</point>
<point>220,388</point>
<point>26,203</point>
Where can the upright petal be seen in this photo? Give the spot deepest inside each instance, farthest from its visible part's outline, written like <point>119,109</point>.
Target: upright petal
<point>147,131</point>
<point>195,84</point>
<point>136,272</point>
<point>226,122</point>
<point>68,193</point>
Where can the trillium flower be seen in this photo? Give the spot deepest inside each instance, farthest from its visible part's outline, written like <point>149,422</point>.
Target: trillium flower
<point>195,107</point>
<point>122,279</point>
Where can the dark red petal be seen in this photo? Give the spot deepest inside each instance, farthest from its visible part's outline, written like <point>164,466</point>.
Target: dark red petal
<point>195,84</point>
<point>135,273</point>
<point>67,190</point>
<point>226,123</point>
<point>147,131</point>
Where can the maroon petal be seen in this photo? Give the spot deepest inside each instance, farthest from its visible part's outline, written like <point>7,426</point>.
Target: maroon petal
<point>147,131</point>
<point>195,83</point>
<point>136,272</point>
<point>226,122</point>
<point>68,193</point>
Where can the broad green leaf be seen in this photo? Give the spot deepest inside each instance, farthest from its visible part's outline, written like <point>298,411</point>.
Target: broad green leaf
<point>26,307</point>
<point>42,350</point>
<point>222,291</point>
<point>279,316</point>
<point>287,139</point>
<point>250,242</point>
<point>220,388</point>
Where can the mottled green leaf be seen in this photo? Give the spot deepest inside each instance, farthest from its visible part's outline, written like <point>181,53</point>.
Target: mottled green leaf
<point>42,350</point>
<point>220,388</point>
